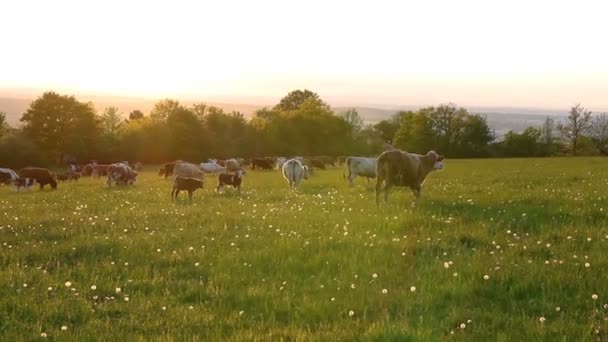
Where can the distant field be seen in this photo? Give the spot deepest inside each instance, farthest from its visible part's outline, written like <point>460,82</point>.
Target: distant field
<point>323,263</point>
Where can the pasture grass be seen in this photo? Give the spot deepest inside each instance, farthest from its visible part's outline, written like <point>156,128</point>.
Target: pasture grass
<point>494,248</point>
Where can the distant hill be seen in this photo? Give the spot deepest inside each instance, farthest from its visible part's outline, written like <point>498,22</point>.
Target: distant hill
<point>500,119</point>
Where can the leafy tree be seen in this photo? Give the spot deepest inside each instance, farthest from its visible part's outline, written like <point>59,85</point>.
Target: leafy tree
<point>522,144</point>
<point>111,121</point>
<point>416,132</point>
<point>162,109</point>
<point>185,131</point>
<point>447,129</point>
<point>3,124</point>
<point>295,99</point>
<point>599,132</point>
<point>548,131</point>
<point>60,125</point>
<point>475,137</point>
<point>136,115</point>
<point>199,109</point>
<point>353,119</point>
<point>576,126</point>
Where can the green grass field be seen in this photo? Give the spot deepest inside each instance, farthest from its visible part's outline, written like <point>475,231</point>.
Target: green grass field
<point>511,249</point>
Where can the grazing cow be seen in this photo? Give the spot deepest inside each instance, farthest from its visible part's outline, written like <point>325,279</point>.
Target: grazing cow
<point>234,180</point>
<point>279,163</point>
<point>341,160</point>
<point>212,167</point>
<point>360,166</point>
<point>261,163</point>
<point>42,176</point>
<point>233,165</point>
<point>294,172</point>
<point>187,170</point>
<point>185,183</point>
<point>400,168</point>
<point>120,174</point>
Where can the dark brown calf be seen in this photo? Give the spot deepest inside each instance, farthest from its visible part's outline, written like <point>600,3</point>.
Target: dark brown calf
<point>188,184</point>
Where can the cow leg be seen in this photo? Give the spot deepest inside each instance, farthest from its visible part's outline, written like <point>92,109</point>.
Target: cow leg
<point>417,192</point>
<point>378,190</point>
<point>190,196</point>
<point>351,178</point>
<point>387,187</point>
<point>238,189</point>
<point>41,186</point>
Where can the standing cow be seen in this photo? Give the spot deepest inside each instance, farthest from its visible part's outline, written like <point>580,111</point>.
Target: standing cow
<point>360,166</point>
<point>234,180</point>
<point>400,168</point>
<point>294,172</point>
<point>188,184</point>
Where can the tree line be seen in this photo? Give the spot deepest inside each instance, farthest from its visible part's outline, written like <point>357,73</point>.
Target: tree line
<point>57,129</point>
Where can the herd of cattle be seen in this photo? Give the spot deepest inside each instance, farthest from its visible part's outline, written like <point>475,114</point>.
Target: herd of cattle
<point>391,168</point>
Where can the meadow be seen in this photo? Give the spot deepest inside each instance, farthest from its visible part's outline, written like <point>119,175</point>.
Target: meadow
<point>502,249</point>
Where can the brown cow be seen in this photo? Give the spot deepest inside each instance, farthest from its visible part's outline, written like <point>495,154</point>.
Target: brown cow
<point>400,168</point>
<point>42,176</point>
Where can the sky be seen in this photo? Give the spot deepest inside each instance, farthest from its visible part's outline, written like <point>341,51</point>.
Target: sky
<point>542,54</point>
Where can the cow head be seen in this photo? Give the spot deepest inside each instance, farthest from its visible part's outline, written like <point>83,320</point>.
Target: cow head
<point>436,159</point>
<point>307,172</point>
<point>240,173</point>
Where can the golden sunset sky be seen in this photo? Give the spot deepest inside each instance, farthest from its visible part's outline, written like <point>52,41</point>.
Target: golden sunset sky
<point>482,53</point>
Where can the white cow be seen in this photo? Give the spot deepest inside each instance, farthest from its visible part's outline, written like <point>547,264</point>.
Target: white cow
<point>212,167</point>
<point>294,172</point>
<point>360,166</point>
